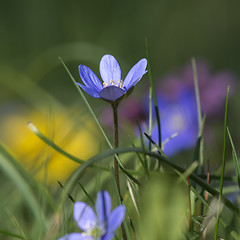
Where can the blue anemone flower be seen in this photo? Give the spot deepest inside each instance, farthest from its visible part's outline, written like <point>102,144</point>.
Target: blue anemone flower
<point>113,87</point>
<point>100,226</point>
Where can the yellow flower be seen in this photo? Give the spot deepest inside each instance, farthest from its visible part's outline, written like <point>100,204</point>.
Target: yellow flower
<point>76,135</point>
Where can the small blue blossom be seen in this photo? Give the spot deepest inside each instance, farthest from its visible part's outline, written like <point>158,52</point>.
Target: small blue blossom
<point>99,226</point>
<point>113,87</point>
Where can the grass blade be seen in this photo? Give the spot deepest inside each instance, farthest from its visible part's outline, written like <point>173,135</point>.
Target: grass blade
<point>154,96</point>
<point>86,193</point>
<point>133,198</point>
<point>235,158</point>
<point>196,86</point>
<point>223,164</point>
<point>198,155</point>
<point>33,128</point>
<point>145,164</point>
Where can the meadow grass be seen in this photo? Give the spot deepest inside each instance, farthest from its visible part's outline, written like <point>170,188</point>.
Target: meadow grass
<point>163,201</point>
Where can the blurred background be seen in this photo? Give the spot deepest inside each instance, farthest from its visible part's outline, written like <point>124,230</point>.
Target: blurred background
<point>34,85</point>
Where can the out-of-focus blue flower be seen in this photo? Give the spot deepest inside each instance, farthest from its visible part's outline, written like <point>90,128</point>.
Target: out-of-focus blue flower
<point>99,226</point>
<point>178,108</point>
<point>177,117</point>
<point>113,87</point>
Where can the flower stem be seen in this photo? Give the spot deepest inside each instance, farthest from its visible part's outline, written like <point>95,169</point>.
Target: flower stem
<point>115,136</point>
<point>116,165</point>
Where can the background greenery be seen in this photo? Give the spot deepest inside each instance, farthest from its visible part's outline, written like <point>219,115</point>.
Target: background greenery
<point>176,30</point>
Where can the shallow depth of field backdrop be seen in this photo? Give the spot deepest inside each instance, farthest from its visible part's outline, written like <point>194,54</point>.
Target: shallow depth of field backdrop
<point>34,85</point>
<point>34,34</point>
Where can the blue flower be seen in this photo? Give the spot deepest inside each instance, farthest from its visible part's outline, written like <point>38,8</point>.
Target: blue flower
<point>178,116</point>
<point>113,87</point>
<point>100,226</point>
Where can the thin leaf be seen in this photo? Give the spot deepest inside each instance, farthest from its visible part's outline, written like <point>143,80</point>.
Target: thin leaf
<point>145,165</point>
<point>188,171</point>
<point>235,158</point>
<point>155,145</point>
<point>88,196</point>
<point>223,164</point>
<point>154,96</point>
<point>196,87</point>
<point>133,198</point>
<point>34,129</point>
<point>69,195</point>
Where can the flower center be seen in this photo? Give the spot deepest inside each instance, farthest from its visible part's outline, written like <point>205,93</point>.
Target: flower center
<point>95,232</point>
<point>119,84</point>
<point>178,121</point>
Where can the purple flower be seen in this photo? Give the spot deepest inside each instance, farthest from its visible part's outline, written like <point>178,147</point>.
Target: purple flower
<point>100,226</point>
<point>113,87</point>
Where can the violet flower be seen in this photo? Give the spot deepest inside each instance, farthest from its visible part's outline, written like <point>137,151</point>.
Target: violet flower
<point>113,87</point>
<point>99,226</point>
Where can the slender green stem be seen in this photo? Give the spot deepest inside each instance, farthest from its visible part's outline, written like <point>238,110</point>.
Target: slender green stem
<point>195,77</point>
<point>116,165</point>
<point>154,96</point>
<point>115,136</point>
<point>223,165</point>
<point>235,158</point>
<point>150,113</point>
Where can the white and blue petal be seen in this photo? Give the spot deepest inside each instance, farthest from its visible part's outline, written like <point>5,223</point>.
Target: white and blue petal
<point>76,236</point>
<point>111,93</point>
<point>89,78</point>
<point>103,206</point>
<point>135,74</point>
<point>116,218</point>
<point>109,69</point>
<point>84,216</point>
<point>91,91</point>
